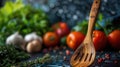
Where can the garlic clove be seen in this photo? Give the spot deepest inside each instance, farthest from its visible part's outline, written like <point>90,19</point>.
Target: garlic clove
<point>32,36</point>
<point>15,39</point>
<point>10,39</point>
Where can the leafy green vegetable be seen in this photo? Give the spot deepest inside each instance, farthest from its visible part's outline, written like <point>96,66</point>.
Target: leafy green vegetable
<point>63,40</point>
<point>101,24</point>
<point>15,16</point>
<point>106,25</point>
<point>82,27</point>
<point>11,7</point>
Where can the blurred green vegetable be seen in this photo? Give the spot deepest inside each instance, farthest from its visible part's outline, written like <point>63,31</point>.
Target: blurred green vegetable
<point>63,40</point>
<point>15,16</point>
<point>82,27</point>
<point>11,7</point>
<point>101,24</point>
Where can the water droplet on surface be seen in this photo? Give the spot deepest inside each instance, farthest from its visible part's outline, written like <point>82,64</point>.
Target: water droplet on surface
<point>75,17</point>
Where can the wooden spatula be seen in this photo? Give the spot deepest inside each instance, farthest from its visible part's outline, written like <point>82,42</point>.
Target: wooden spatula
<point>84,55</point>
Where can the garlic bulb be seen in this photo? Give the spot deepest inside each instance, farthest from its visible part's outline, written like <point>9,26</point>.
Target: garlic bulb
<point>34,46</point>
<point>16,39</point>
<point>32,36</point>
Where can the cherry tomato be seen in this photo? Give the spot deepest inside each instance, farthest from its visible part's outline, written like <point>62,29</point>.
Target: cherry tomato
<point>61,28</point>
<point>99,40</point>
<point>74,39</point>
<point>51,39</point>
<point>114,39</point>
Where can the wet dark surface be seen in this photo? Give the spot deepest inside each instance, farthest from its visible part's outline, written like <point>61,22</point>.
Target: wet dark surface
<point>61,58</point>
<point>74,11</point>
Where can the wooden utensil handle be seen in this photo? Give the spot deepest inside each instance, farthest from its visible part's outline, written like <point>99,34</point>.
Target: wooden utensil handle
<point>93,16</point>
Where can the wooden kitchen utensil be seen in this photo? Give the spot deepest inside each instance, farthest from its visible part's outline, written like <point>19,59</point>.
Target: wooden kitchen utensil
<point>85,54</point>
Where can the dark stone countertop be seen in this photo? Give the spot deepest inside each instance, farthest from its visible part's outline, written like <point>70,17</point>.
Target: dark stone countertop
<point>103,58</point>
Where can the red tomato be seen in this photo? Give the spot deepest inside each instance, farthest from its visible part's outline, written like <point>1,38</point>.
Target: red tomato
<point>99,40</point>
<point>61,28</point>
<point>51,39</point>
<point>114,39</point>
<point>74,39</point>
